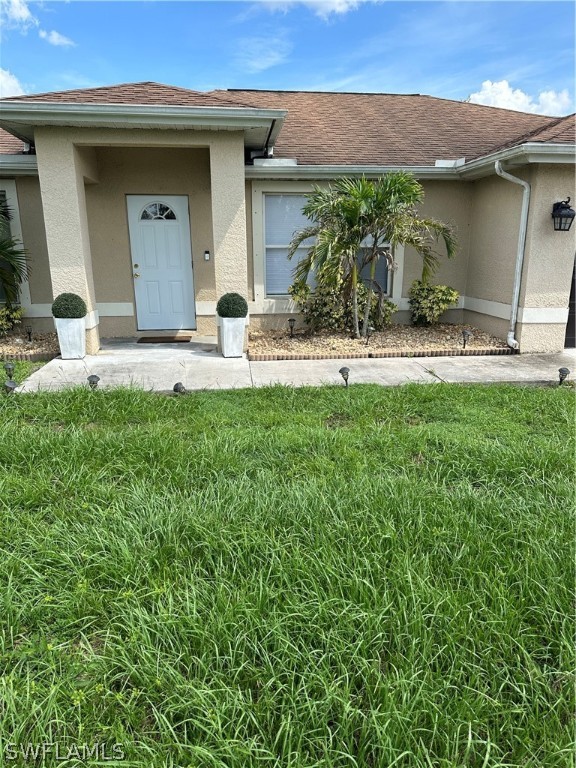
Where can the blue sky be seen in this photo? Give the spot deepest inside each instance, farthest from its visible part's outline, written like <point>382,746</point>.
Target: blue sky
<point>512,54</point>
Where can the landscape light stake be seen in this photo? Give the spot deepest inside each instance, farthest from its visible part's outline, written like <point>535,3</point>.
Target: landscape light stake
<point>466,337</point>
<point>291,323</point>
<point>93,381</point>
<point>28,330</point>
<point>179,388</point>
<point>9,368</point>
<point>563,373</point>
<point>10,386</point>
<point>369,331</point>
<point>344,372</point>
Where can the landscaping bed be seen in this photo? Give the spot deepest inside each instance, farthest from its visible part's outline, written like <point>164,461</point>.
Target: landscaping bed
<point>15,346</point>
<point>395,341</point>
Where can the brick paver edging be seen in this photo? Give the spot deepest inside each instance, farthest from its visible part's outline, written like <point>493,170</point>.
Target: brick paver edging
<point>255,357</point>
<point>29,357</point>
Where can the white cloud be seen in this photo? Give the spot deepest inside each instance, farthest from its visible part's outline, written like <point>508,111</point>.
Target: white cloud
<point>55,38</point>
<point>9,84</point>
<point>322,8</point>
<point>256,54</point>
<point>501,94</point>
<point>17,13</point>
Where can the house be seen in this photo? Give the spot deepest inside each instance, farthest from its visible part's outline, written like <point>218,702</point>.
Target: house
<point>151,201</point>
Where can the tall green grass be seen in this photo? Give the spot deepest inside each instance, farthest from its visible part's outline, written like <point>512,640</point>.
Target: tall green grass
<point>310,578</point>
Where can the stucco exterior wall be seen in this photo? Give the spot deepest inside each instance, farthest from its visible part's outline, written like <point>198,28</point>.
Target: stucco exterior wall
<point>146,171</point>
<point>449,202</point>
<point>549,259</point>
<point>34,238</point>
<point>102,166</point>
<point>496,206</point>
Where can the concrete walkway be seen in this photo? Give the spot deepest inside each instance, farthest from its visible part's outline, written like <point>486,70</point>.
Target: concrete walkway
<point>197,365</point>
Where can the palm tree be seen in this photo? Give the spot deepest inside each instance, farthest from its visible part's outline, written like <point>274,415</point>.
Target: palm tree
<point>355,223</point>
<point>13,262</point>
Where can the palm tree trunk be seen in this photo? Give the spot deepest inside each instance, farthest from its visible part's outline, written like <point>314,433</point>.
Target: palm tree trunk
<point>355,300</point>
<point>369,295</point>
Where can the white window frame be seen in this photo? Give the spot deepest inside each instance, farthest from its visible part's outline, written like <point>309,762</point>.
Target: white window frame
<point>285,305</point>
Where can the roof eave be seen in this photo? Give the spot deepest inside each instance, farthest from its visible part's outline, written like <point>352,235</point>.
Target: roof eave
<point>21,119</point>
<point>303,172</point>
<point>18,165</point>
<point>522,154</point>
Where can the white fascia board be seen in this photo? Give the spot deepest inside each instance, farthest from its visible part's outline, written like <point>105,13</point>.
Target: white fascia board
<point>18,165</point>
<point>334,171</point>
<point>531,152</point>
<point>15,115</point>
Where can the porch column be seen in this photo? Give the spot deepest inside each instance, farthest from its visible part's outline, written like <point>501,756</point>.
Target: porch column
<point>229,214</point>
<point>63,169</point>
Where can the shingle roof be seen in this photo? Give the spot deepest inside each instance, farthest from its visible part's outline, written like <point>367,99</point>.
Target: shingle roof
<point>10,145</point>
<point>348,128</point>
<point>133,93</point>
<point>387,129</point>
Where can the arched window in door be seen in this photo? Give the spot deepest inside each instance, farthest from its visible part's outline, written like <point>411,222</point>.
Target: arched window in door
<point>157,211</point>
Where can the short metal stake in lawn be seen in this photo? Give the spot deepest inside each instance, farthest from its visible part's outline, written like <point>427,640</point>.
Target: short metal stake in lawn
<point>467,336</point>
<point>291,323</point>
<point>344,372</point>
<point>93,381</point>
<point>563,374</point>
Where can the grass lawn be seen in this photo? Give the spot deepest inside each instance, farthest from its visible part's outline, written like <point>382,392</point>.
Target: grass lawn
<point>298,578</point>
<point>22,370</point>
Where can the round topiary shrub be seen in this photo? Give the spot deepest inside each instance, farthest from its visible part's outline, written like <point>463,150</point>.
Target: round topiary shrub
<point>232,305</point>
<point>69,305</point>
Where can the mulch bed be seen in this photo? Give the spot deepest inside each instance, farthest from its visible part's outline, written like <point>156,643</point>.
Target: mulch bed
<point>15,346</point>
<point>396,341</point>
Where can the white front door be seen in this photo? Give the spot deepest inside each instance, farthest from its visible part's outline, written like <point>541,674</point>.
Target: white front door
<point>161,262</point>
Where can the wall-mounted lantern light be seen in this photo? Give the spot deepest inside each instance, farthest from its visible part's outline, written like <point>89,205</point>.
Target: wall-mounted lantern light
<point>563,215</point>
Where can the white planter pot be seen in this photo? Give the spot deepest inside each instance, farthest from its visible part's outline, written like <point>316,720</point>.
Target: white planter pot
<point>71,337</point>
<point>232,335</point>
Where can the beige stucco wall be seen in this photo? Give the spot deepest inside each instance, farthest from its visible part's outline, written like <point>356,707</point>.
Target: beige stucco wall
<point>249,240</point>
<point>449,202</point>
<point>101,166</point>
<point>549,257</point>
<point>34,238</point>
<point>154,171</point>
<point>496,206</point>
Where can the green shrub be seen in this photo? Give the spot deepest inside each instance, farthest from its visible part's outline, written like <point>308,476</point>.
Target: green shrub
<point>428,302</point>
<point>69,305</point>
<point>9,317</point>
<point>325,308</point>
<point>232,305</point>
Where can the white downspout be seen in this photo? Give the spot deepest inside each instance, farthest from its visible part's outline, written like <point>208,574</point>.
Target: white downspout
<point>511,339</point>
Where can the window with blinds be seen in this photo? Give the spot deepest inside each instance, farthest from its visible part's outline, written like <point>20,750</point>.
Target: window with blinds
<point>283,217</point>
